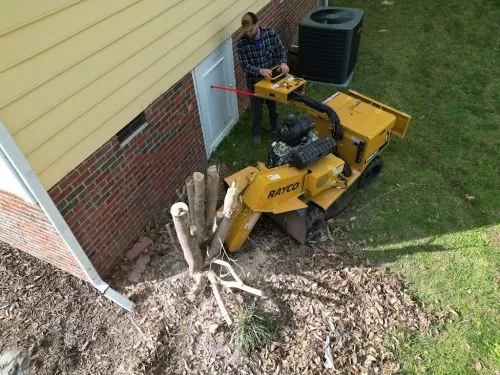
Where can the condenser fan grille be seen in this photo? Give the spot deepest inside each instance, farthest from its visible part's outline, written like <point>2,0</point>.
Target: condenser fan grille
<point>332,17</point>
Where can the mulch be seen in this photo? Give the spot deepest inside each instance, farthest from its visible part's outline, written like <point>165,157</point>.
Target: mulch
<point>326,299</point>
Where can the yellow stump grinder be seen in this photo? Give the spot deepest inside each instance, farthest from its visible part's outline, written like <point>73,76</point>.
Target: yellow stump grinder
<point>317,162</point>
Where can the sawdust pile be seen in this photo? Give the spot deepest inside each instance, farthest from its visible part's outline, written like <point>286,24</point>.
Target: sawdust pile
<point>318,292</point>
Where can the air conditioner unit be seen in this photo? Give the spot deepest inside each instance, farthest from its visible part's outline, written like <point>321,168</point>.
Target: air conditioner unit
<point>329,40</point>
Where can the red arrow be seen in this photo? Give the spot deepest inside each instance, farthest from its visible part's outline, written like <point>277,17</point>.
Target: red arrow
<point>238,91</point>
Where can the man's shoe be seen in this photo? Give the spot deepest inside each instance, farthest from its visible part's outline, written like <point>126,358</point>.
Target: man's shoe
<point>256,140</point>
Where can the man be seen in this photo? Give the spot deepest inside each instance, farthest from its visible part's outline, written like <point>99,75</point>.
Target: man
<point>259,49</point>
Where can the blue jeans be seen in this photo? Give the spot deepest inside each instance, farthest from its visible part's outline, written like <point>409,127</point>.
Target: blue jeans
<point>256,105</point>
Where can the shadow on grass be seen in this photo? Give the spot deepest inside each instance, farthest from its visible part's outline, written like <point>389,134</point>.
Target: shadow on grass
<point>390,255</point>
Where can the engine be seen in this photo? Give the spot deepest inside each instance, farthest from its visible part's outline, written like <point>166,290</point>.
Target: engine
<point>297,145</point>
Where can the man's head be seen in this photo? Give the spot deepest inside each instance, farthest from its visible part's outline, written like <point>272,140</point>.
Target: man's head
<point>250,25</point>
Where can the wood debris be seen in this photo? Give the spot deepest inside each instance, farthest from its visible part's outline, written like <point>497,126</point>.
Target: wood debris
<point>318,291</point>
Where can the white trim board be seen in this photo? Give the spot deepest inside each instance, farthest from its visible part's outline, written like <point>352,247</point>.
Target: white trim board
<point>11,182</point>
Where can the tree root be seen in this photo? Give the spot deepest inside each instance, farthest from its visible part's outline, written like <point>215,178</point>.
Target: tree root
<point>222,307</point>
<point>238,284</point>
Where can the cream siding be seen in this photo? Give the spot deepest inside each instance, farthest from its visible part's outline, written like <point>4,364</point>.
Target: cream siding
<point>89,67</point>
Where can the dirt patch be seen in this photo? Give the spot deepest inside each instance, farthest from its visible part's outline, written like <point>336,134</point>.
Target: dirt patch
<point>318,291</point>
<point>66,325</point>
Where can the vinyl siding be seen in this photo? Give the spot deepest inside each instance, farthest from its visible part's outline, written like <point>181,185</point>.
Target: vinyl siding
<point>78,71</point>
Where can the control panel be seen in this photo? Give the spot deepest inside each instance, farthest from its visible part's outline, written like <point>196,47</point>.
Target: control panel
<point>279,86</point>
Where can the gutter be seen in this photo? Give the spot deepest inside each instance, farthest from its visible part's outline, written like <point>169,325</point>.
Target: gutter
<point>32,183</point>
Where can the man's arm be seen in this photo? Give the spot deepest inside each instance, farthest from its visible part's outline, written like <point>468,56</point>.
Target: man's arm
<point>245,62</point>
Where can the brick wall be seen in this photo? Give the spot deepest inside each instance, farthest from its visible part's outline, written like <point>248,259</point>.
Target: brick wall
<point>109,198</point>
<point>25,226</point>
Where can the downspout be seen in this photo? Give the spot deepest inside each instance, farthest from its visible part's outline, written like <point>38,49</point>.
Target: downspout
<point>37,190</point>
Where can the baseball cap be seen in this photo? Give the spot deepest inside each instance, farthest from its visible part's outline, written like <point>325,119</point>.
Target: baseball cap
<point>248,21</point>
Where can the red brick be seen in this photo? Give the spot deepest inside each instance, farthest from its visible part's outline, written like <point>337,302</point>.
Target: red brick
<point>32,232</point>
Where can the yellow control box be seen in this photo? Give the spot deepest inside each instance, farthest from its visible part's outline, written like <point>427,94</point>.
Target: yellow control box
<point>279,86</point>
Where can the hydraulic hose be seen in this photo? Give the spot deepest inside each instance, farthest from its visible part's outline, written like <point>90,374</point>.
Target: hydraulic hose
<point>320,107</point>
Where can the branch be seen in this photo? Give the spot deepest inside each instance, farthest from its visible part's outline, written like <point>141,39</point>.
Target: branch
<point>238,283</point>
<point>213,281</point>
<point>217,220</point>
<point>230,208</point>
<point>182,193</point>
<point>225,254</point>
<point>221,262</point>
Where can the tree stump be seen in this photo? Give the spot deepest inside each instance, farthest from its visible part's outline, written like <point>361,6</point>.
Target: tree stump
<point>201,231</point>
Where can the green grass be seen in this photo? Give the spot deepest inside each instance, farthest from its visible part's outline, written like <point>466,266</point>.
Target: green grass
<point>438,61</point>
<point>254,328</point>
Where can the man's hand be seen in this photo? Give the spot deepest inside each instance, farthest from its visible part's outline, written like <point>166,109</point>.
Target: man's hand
<point>284,68</point>
<point>265,72</point>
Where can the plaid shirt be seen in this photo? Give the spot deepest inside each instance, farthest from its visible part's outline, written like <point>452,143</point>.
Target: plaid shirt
<point>267,52</point>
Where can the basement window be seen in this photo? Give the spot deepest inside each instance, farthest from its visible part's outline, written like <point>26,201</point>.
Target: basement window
<point>133,128</point>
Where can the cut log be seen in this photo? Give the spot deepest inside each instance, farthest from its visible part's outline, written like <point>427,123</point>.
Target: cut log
<point>218,218</point>
<point>212,193</point>
<point>199,205</point>
<point>190,195</point>
<point>218,239</point>
<point>230,200</point>
<point>189,245</point>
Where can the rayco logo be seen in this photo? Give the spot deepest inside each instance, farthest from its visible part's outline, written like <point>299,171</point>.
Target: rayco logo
<point>283,189</point>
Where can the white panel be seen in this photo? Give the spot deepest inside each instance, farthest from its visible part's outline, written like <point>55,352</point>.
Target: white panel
<point>218,109</point>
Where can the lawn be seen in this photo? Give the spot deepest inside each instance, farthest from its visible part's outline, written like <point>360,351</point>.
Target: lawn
<point>433,214</point>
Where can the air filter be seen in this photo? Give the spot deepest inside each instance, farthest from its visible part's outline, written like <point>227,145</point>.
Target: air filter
<point>329,40</point>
